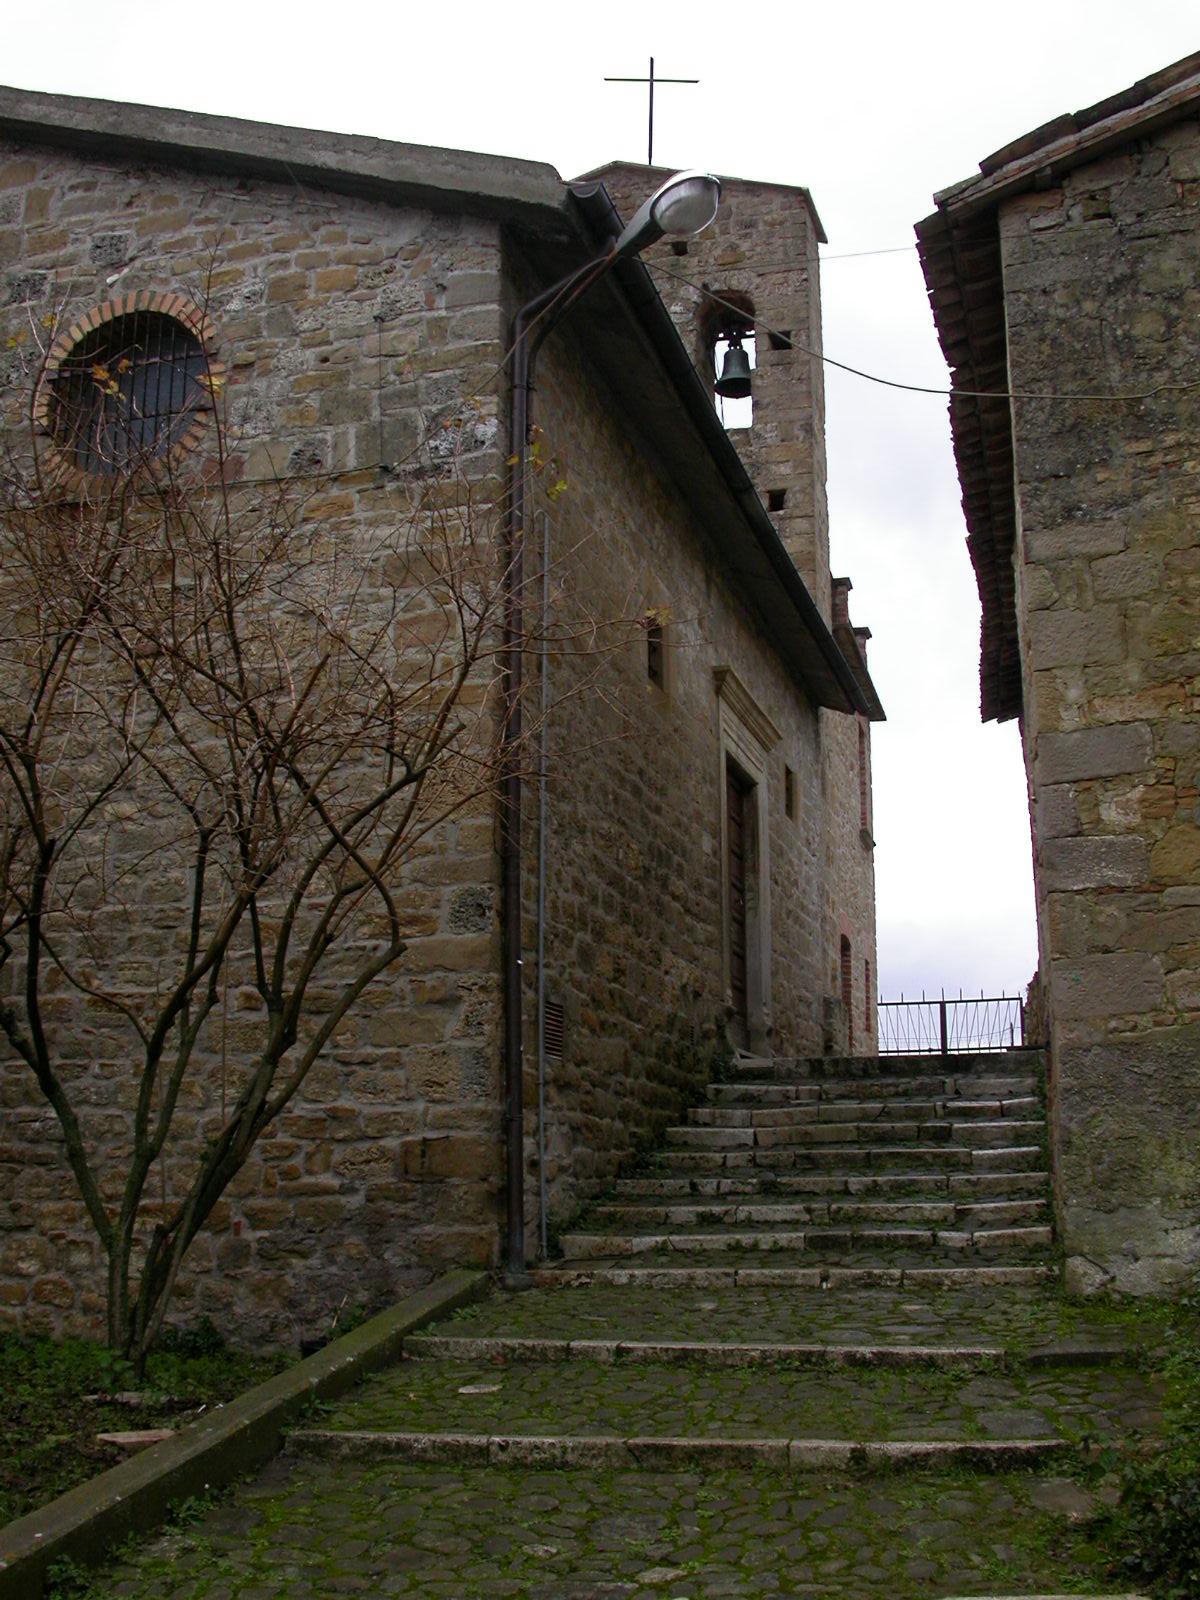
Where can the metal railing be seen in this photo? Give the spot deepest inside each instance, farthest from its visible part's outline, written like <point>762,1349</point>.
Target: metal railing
<point>951,1027</point>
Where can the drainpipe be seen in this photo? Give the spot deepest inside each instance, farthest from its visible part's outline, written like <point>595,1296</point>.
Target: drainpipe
<point>533,322</point>
<point>541,891</point>
<point>684,205</point>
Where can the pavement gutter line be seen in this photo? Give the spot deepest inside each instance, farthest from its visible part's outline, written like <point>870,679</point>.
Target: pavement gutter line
<point>226,1443</point>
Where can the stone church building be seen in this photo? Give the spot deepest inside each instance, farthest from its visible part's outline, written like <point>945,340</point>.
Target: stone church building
<point>1063,279</point>
<point>695,867</point>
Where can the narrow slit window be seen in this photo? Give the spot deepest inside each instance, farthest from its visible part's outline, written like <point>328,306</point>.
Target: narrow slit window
<point>789,792</point>
<point>847,984</point>
<point>867,998</point>
<point>656,651</point>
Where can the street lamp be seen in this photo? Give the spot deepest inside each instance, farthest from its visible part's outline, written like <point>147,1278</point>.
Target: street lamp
<point>682,206</point>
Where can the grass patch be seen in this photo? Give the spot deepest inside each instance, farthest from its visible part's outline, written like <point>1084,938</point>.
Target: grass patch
<point>56,1396</point>
<point>1155,1529</point>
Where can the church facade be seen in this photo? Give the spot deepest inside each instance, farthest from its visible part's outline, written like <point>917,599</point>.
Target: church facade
<point>695,865</point>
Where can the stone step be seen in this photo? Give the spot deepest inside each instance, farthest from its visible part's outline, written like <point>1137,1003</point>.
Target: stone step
<point>504,1350</point>
<point>668,1453</point>
<point>960,1186</point>
<point>748,1092</point>
<point>975,1135</point>
<point>814,1239</point>
<point>1002,1063</point>
<point>849,1271</point>
<point>905,1213</point>
<point>847,1159</point>
<point>804,1113</point>
<point>1031,1324</point>
<point>683,1401</point>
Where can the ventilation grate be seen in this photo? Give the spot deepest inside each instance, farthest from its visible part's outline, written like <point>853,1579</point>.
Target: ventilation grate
<point>555,1029</point>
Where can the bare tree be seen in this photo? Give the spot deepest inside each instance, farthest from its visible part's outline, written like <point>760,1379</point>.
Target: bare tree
<point>230,713</point>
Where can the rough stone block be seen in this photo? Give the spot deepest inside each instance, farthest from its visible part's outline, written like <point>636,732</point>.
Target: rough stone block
<point>1068,540</point>
<point>1121,983</point>
<point>1092,863</point>
<point>1176,856</point>
<point>1056,814</point>
<point>1071,638</point>
<point>1093,753</point>
<point>1129,573</point>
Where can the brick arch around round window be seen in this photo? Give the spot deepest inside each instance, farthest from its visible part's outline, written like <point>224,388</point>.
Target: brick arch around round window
<point>128,386</point>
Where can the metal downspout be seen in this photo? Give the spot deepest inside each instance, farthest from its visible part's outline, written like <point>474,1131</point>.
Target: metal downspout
<point>541,905</point>
<point>532,324</point>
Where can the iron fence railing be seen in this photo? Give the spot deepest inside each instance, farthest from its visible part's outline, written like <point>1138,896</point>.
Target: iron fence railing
<point>950,1027</point>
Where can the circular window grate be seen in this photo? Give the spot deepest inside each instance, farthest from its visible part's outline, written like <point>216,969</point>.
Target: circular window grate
<point>129,386</point>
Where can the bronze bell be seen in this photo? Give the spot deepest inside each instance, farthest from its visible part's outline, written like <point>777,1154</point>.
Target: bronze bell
<point>734,382</point>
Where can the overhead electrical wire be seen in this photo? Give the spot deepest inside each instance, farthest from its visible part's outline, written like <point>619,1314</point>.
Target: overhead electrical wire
<point>921,388</point>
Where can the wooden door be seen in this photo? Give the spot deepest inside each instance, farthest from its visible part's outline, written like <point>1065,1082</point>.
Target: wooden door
<point>736,791</point>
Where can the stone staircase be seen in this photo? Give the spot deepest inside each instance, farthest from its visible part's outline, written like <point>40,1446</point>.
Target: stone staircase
<point>905,1169</point>
<point>818,1347</point>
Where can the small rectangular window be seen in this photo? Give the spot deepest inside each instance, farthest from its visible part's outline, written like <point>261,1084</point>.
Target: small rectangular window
<point>789,791</point>
<point>847,991</point>
<point>864,783</point>
<point>656,646</point>
<point>867,998</point>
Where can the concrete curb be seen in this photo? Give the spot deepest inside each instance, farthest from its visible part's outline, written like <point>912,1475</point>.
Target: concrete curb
<point>672,1454</point>
<point>230,1441</point>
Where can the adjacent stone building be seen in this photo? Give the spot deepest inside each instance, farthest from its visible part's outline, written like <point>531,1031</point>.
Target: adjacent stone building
<point>1064,285</point>
<point>696,865</point>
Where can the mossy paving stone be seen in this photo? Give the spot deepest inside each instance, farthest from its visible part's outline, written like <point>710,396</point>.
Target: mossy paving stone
<point>1019,1319</point>
<point>305,1531</point>
<point>590,1399</point>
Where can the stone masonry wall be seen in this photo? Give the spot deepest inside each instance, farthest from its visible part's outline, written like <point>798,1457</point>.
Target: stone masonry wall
<point>1103,303</point>
<point>636,790</point>
<point>761,253</point>
<point>349,331</point>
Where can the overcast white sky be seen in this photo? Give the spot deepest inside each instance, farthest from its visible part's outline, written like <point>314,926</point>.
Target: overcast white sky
<point>873,107</point>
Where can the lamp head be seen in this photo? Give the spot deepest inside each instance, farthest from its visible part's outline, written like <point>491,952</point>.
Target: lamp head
<point>684,205</point>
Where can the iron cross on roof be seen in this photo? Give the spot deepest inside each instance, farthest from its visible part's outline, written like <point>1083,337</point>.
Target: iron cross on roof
<point>651,80</point>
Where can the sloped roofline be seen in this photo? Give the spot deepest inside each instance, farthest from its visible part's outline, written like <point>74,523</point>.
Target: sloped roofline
<point>530,196</point>
<point>959,247</point>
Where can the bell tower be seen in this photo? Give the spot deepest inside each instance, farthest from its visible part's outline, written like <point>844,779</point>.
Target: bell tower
<point>745,295</point>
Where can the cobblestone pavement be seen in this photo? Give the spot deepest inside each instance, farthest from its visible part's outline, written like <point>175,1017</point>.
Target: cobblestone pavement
<point>682,1400</point>
<point>1020,1320</point>
<point>308,1530</point>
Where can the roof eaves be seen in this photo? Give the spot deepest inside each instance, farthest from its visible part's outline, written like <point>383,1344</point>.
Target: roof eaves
<point>959,249</point>
<point>440,180</point>
<point>1042,157</point>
